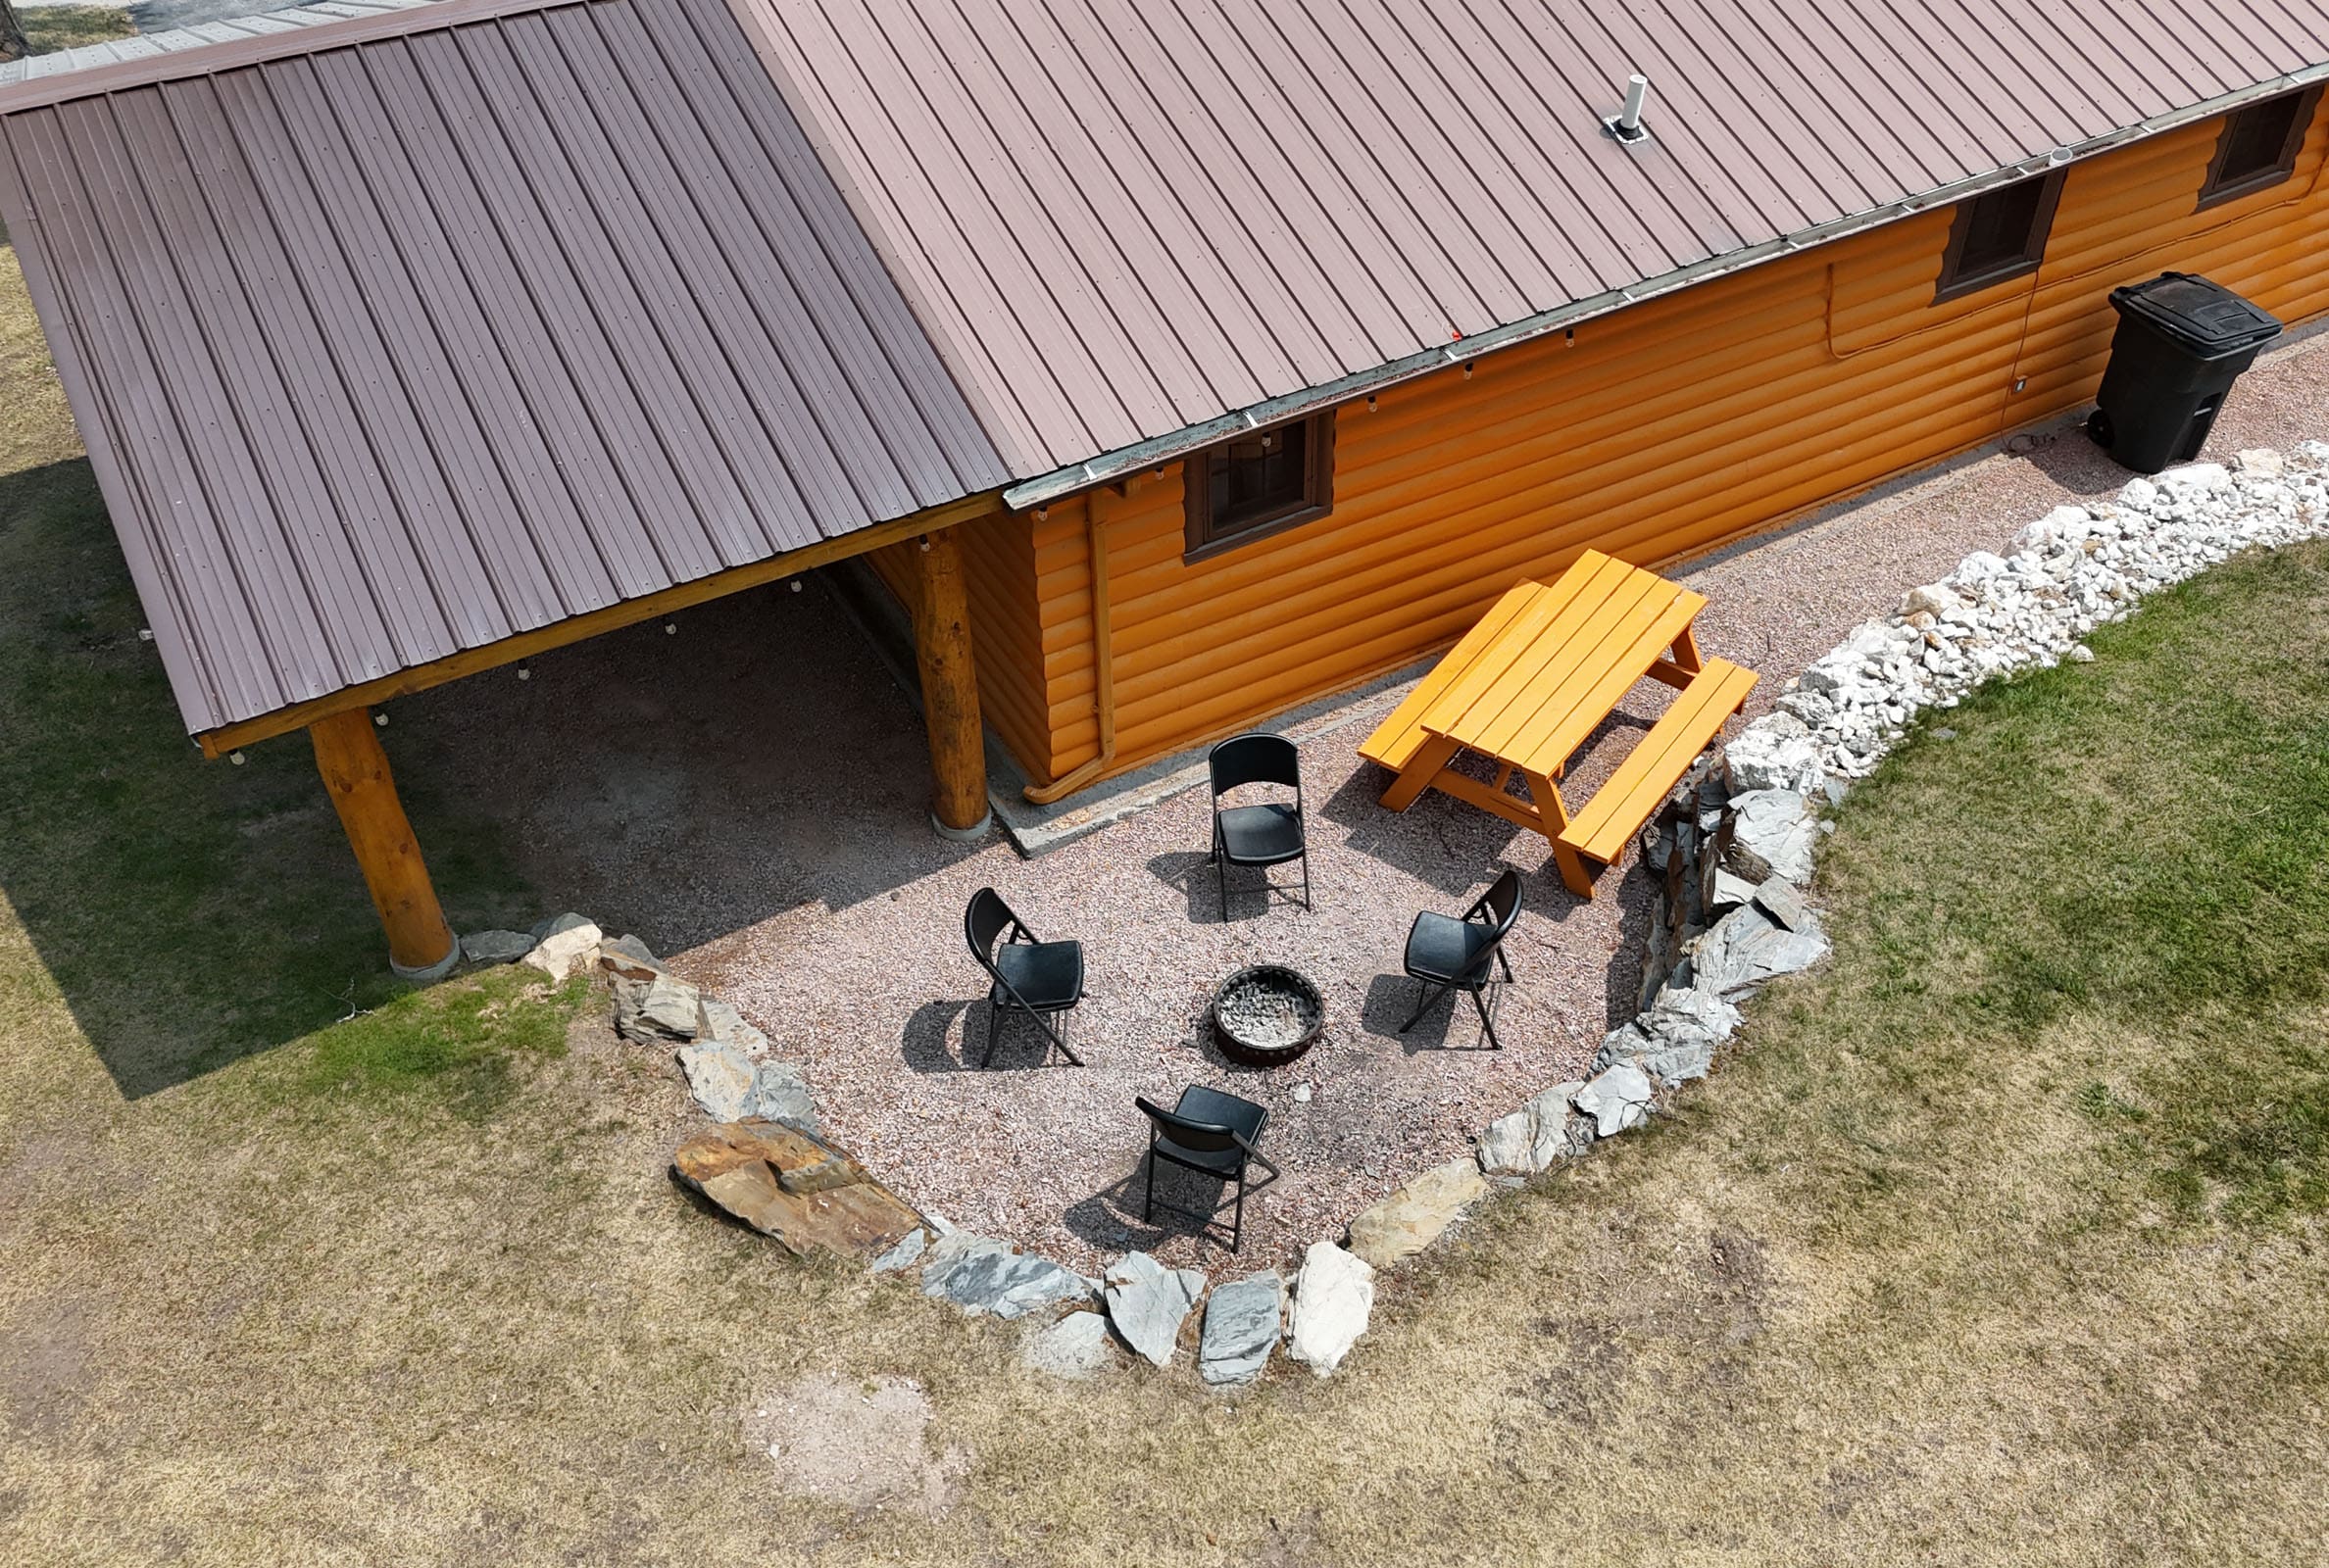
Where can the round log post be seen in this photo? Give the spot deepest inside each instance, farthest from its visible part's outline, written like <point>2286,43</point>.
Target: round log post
<point>950,690</point>
<point>420,944</point>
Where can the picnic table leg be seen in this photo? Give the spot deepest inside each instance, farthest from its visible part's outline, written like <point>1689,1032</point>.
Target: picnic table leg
<point>1436,752</point>
<point>1686,664</point>
<point>1555,814</point>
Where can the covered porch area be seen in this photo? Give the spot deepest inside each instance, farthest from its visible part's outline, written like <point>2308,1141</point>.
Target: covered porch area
<point>796,718</point>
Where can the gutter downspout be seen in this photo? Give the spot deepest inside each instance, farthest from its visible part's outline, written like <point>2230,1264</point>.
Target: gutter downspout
<point>1102,658</point>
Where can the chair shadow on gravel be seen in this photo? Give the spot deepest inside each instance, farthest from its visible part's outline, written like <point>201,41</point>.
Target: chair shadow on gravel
<point>1254,890</point>
<point>1448,1024</point>
<point>928,1043</point>
<point>1438,840</point>
<point>1110,1219</point>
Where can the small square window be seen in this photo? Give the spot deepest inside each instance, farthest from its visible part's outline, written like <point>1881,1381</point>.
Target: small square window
<point>2258,145</point>
<point>1258,482</point>
<point>1998,235</point>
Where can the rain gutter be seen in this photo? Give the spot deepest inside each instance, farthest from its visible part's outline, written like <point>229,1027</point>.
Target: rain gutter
<point>1113,466</point>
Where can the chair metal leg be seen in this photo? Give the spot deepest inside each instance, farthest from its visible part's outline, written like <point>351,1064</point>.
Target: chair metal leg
<point>1057,1037</point>
<point>1306,892</point>
<point>1237,1223</point>
<point>994,1031</point>
<point>1431,994</point>
<point>1148,1202</point>
<point>1221,867</point>
<point>1487,1023</point>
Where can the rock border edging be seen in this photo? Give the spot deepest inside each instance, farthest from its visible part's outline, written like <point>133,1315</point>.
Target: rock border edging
<point>1734,845</point>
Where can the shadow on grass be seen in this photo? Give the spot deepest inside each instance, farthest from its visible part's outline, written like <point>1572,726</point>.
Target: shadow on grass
<point>191,912</point>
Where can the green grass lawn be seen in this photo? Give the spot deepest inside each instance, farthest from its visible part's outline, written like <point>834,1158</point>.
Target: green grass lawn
<point>48,29</point>
<point>1998,1239</point>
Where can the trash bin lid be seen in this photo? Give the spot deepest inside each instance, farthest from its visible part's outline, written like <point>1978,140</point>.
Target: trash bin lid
<point>2204,317</point>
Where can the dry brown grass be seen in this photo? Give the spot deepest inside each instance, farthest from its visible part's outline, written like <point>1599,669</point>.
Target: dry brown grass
<point>1999,1241</point>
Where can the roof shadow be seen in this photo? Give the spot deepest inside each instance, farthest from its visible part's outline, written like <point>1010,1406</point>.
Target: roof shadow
<point>189,912</point>
<point>192,913</point>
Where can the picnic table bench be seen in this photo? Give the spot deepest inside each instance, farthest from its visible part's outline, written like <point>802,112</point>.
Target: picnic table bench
<point>1532,681</point>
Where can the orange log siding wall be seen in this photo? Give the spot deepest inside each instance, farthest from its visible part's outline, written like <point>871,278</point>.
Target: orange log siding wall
<point>1660,430</point>
<point>998,566</point>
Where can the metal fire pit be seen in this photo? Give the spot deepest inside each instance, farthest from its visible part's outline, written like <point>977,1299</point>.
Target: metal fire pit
<point>1268,1015</point>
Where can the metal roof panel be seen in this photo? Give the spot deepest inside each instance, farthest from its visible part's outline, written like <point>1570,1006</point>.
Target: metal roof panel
<point>390,344</point>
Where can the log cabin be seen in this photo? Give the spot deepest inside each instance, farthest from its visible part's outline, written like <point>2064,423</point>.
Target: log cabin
<point>1173,364</point>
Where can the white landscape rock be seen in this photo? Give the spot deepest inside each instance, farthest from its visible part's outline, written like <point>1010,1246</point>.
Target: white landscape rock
<point>1617,1099</point>
<point>721,1079</point>
<point>1148,1302</point>
<point>563,942</point>
<point>1076,1348</point>
<point>1333,1297</point>
<point>1774,753</point>
<point>1933,599</point>
<point>2072,570</point>
<point>1531,1138</point>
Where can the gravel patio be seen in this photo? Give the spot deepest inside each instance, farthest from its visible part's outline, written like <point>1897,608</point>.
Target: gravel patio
<point>749,796</point>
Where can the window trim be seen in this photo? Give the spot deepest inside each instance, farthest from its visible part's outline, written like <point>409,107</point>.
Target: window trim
<point>1960,227</point>
<point>2215,192</point>
<point>1318,494</point>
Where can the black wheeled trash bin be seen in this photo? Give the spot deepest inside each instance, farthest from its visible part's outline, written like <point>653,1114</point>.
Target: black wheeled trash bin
<point>2181,343</point>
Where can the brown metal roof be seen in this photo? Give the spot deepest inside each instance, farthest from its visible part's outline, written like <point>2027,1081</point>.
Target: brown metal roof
<point>404,334</point>
<point>401,345</point>
<point>1123,219</point>
<point>199,35</point>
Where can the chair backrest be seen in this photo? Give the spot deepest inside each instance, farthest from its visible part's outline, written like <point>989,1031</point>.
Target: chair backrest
<point>1204,1136</point>
<point>1255,758</point>
<point>1501,903</point>
<point>986,919</point>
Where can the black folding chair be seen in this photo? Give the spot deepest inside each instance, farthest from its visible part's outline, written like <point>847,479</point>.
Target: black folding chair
<point>1463,954</point>
<point>1041,979</point>
<point>1264,835</point>
<point>1211,1133</point>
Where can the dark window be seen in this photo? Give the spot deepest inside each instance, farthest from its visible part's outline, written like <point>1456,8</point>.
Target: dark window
<point>2258,145</point>
<point>1998,235</point>
<point>1260,483</point>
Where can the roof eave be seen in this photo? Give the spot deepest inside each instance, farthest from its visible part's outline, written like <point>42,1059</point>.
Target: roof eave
<point>1110,466</point>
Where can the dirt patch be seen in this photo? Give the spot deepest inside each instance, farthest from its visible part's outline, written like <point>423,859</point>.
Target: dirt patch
<point>863,1443</point>
<point>44,1355</point>
<point>1742,1282</point>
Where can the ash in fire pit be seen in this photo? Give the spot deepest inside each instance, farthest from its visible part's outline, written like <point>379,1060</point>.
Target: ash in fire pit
<point>1268,1015</point>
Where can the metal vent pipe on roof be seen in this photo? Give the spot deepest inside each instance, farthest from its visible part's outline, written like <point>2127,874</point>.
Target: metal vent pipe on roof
<point>1627,124</point>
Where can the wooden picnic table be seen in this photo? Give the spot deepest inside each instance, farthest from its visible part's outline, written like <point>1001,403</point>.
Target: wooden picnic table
<point>1532,681</point>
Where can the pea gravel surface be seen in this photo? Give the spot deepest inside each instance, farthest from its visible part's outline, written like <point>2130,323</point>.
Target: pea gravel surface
<point>748,794</point>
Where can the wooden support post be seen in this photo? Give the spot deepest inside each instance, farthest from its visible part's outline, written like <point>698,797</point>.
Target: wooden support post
<point>950,690</point>
<point>355,770</point>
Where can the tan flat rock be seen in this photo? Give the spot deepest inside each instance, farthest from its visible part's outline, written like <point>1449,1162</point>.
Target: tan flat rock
<point>1411,1218</point>
<point>786,1183</point>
